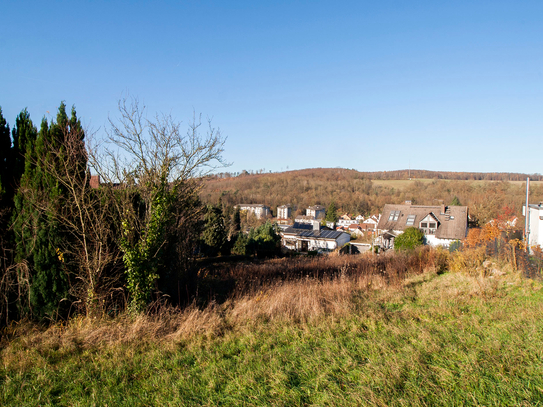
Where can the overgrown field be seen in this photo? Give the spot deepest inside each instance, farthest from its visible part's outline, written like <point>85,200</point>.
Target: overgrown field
<point>470,337</point>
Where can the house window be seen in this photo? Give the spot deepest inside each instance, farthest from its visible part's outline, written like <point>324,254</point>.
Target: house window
<point>394,215</point>
<point>410,220</point>
<point>429,228</point>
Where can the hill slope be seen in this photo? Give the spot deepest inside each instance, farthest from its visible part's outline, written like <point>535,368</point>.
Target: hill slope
<point>366,193</point>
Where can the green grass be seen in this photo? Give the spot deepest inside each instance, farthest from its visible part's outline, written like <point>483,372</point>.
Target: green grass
<point>437,340</point>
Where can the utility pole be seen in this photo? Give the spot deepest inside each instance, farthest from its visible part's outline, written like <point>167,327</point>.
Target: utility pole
<point>527,216</point>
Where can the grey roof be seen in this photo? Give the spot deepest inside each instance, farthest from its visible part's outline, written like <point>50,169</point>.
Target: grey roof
<point>317,207</point>
<point>452,223</point>
<point>253,205</point>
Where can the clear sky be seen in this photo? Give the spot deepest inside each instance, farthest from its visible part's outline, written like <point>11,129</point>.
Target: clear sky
<point>369,85</point>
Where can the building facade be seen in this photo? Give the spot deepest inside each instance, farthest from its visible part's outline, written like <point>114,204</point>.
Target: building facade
<point>535,224</point>
<point>259,210</point>
<point>284,212</point>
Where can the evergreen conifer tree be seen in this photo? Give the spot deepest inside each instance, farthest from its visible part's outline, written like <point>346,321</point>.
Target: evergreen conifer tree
<point>331,212</point>
<point>240,247</point>
<point>236,223</point>
<point>39,199</point>
<point>214,235</point>
<point>5,154</point>
<point>456,201</point>
<point>24,135</point>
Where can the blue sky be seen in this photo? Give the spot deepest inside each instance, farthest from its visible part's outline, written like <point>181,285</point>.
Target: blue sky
<point>381,85</point>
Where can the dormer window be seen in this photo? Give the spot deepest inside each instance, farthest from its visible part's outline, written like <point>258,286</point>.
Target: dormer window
<point>429,225</point>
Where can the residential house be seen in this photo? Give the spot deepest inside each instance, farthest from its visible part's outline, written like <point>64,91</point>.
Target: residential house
<point>371,222</point>
<point>441,224</point>
<point>304,219</point>
<point>314,237</point>
<point>346,220</point>
<point>356,230</point>
<point>259,210</point>
<point>311,213</point>
<point>284,212</point>
<point>535,224</point>
<point>317,211</point>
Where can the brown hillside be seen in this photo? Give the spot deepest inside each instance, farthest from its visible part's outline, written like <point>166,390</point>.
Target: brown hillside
<point>366,193</point>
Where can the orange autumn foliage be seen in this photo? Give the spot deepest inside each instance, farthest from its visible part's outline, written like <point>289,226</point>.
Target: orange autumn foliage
<point>479,236</point>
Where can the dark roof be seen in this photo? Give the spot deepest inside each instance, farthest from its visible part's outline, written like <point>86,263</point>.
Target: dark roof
<point>452,223</point>
<point>322,234</point>
<point>303,226</point>
<point>304,230</point>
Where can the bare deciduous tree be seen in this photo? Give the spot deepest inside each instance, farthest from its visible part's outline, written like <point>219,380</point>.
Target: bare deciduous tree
<point>86,215</point>
<point>155,166</point>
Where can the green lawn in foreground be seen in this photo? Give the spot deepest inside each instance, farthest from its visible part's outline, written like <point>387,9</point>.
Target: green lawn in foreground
<point>441,340</point>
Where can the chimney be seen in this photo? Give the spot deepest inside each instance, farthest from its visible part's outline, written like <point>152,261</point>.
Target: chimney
<point>316,227</point>
<point>442,209</point>
<point>94,181</point>
<point>408,202</point>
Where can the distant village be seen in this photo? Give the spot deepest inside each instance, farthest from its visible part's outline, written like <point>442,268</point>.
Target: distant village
<point>441,224</point>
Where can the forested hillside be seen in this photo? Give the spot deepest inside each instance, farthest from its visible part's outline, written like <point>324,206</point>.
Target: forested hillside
<point>355,192</point>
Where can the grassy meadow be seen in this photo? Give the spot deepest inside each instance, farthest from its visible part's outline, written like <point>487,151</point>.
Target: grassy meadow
<point>423,338</point>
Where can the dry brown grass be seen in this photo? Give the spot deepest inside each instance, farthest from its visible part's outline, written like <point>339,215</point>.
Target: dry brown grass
<point>297,301</point>
<point>303,299</point>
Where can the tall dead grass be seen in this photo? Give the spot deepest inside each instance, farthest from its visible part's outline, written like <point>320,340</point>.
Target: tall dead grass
<point>225,281</point>
<point>319,287</point>
<point>315,288</point>
<point>296,301</point>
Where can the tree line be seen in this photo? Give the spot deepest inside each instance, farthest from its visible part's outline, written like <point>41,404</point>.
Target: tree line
<point>68,246</point>
<point>395,174</point>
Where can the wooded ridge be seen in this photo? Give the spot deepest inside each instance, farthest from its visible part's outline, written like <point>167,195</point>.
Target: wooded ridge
<point>354,192</point>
